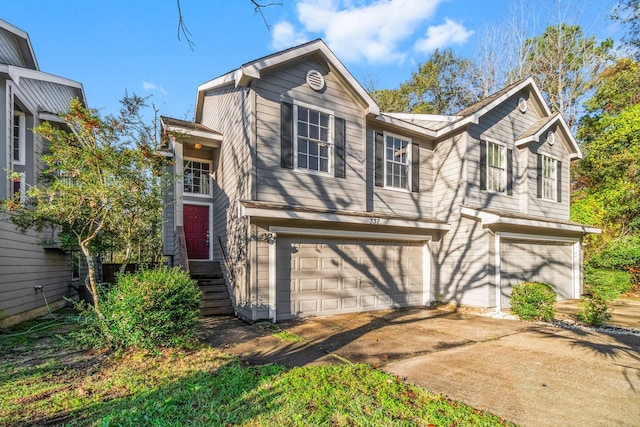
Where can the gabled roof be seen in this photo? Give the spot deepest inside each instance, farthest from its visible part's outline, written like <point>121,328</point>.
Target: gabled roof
<point>542,125</point>
<point>24,44</point>
<point>254,69</point>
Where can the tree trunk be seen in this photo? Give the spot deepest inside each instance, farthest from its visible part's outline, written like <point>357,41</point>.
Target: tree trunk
<point>92,285</point>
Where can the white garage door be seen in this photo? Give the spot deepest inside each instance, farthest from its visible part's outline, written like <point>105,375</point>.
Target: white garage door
<point>319,276</point>
<point>547,262</point>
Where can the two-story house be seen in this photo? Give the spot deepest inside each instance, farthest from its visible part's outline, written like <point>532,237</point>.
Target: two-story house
<point>30,271</point>
<point>315,202</point>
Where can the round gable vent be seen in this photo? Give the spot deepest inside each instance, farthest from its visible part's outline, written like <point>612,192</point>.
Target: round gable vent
<point>522,105</point>
<point>315,80</point>
<point>551,137</point>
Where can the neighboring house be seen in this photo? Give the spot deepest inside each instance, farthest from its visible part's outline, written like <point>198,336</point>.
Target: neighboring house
<point>315,202</point>
<point>31,267</point>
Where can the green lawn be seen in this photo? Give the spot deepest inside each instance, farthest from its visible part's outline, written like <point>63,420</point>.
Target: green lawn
<point>45,380</point>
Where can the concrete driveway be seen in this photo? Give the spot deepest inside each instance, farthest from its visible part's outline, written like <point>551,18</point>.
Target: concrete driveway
<point>532,374</point>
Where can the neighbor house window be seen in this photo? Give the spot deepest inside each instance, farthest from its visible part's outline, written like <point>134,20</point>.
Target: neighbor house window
<point>314,142</point>
<point>19,187</point>
<point>496,167</point>
<point>549,178</point>
<point>75,265</point>
<point>397,162</point>
<point>18,139</point>
<point>197,177</point>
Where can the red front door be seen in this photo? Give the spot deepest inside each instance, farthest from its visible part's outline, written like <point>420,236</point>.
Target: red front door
<point>196,231</point>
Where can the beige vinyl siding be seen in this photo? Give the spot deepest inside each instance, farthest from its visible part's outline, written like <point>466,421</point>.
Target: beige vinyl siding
<point>463,267</point>
<point>228,111</point>
<point>504,124</point>
<point>9,51</point>
<point>24,263</point>
<point>401,202</point>
<point>449,178</point>
<point>297,187</point>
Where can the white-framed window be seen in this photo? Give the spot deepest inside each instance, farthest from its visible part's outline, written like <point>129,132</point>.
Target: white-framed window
<point>549,178</point>
<point>18,138</point>
<point>313,130</point>
<point>496,167</point>
<point>397,160</point>
<point>197,177</point>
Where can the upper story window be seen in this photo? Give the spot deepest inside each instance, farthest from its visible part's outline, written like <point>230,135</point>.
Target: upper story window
<point>496,167</point>
<point>18,138</point>
<point>549,176</point>
<point>197,177</point>
<point>397,158</point>
<point>314,142</point>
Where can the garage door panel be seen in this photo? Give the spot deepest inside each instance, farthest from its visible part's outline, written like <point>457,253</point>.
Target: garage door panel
<point>547,262</point>
<point>317,276</point>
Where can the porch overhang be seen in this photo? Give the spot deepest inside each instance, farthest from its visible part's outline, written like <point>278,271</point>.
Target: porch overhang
<point>191,132</point>
<point>274,211</point>
<point>497,221</point>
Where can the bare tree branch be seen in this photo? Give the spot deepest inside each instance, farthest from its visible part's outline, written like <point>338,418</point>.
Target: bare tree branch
<point>259,6</point>
<point>182,28</point>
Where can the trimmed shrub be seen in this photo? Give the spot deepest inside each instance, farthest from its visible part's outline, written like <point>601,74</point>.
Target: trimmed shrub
<point>595,311</point>
<point>533,301</point>
<point>149,309</point>
<point>606,284</point>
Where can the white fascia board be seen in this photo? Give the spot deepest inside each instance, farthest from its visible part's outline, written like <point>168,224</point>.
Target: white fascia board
<point>196,133</point>
<point>17,73</point>
<point>532,138</point>
<point>219,81</point>
<point>536,237</point>
<point>427,117</point>
<point>384,118</point>
<point>340,218</point>
<point>347,234</point>
<point>492,219</point>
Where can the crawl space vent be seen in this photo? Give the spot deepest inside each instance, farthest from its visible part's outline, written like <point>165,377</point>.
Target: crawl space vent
<point>522,105</point>
<point>551,137</point>
<point>315,80</point>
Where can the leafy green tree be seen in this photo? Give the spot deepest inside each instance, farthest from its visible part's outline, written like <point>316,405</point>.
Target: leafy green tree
<point>441,85</point>
<point>564,62</point>
<point>101,182</point>
<point>607,180</point>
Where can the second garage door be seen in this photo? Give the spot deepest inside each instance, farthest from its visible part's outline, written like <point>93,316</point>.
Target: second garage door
<point>319,276</point>
<point>547,262</point>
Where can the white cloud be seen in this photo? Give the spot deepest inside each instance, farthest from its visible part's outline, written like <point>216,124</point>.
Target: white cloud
<point>443,35</point>
<point>285,36</point>
<point>150,87</point>
<point>359,30</point>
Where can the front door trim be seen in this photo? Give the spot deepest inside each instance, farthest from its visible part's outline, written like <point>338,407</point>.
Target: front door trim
<point>210,206</point>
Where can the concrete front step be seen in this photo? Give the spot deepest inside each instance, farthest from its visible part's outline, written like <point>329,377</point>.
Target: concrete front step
<point>218,311</point>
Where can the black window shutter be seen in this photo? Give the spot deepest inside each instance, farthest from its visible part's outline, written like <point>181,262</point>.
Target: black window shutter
<point>510,172</point>
<point>559,190</point>
<point>415,167</point>
<point>379,153</point>
<point>286,135</point>
<point>539,172</point>
<point>483,165</point>
<point>340,161</point>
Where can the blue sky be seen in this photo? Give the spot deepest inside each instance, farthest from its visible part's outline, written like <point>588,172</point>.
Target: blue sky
<point>113,45</point>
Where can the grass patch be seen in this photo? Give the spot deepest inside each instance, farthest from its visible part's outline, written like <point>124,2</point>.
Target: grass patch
<point>287,336</point>
<point>62,385</point>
